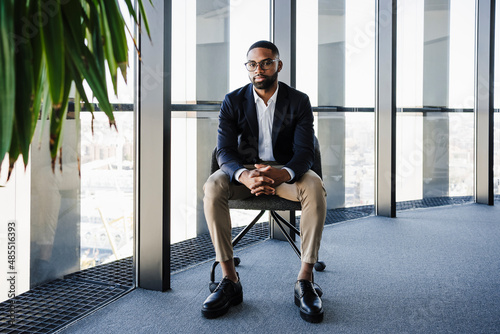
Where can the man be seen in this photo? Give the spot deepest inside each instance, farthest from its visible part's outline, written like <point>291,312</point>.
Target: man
<point>265,146</point>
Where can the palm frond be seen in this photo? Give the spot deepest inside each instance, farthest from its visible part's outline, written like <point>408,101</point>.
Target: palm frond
<point>70,44</point>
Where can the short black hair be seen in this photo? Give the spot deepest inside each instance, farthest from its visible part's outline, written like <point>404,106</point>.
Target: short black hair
<point>265,45</point>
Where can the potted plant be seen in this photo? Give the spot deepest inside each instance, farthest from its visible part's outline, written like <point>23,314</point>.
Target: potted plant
<point>46,46</point>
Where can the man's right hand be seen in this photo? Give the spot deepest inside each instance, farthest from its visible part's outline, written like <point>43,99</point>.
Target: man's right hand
<point>257,182</point>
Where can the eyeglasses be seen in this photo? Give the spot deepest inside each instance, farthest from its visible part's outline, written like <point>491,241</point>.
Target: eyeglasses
<point>265,64</point>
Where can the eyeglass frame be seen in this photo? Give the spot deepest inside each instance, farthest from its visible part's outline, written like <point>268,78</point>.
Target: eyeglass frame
<point>260,64</point>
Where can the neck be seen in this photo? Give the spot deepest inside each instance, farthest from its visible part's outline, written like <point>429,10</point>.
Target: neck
<point>265,94</point>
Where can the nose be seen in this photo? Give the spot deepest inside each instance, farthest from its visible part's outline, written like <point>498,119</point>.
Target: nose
<point>258,68</point>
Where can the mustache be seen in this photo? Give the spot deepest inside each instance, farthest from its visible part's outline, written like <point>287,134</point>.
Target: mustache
<point>260,75</point>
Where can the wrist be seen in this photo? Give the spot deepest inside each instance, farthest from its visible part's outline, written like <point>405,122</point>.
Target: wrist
<point>289,174</point>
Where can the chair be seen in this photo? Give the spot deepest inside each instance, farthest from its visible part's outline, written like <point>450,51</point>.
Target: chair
<point>272,204</point>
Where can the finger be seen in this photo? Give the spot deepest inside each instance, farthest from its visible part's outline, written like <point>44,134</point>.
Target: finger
<point>261,181</point>
<point>255,173</point>
<point>262,167</point>
<point>265,179</point>
<point>263,190</point>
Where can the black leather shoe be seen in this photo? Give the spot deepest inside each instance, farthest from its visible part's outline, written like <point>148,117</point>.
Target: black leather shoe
<point>226,294</point>
<point>306,298</point>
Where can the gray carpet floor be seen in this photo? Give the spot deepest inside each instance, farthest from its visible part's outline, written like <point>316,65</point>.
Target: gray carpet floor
<point>432,270</point>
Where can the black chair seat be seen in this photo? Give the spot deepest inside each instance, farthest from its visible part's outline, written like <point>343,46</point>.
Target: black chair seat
<point>265,202</point>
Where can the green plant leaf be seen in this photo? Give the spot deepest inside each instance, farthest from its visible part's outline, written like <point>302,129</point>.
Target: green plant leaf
<point>53,48</point>
<point>131,10</point>
<point>77,78</point>
<point>86,64</point>
<point>46,45</point>
<point>77,125</point>
<point>46,107</point>
<point>24,88</point>
<point>94,27</point>
<point>57,119</point>
<point>144,16</point>
<point>7,76</point>
<point>116,26</point>
<point>39,71</point>
<point>108,49</point>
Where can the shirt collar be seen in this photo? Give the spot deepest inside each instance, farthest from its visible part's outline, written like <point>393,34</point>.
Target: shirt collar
<point>273,98</point>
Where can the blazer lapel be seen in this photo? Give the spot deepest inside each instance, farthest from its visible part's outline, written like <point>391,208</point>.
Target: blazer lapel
<point>250,111</point>
<point>280,112</point>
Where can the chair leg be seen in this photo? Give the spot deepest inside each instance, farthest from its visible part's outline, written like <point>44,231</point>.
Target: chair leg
<point>279,222</point>
<point>278,217</point>
<point>319,265</point>
<point>247,228</point>
<point>213,284</point>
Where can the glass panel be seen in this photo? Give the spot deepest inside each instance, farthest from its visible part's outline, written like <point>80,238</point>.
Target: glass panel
<point>79,222</point>
<point>461,154</point>
<point>195,136</point>
<point>107,189</point>
<point>14,229</point>
<point>435,77</point>
<point>496,159</point>
<point>496,100</point>
<point>462,28</point>
<point>106,194</point>
<point>335,52</point>
<point>55,207</point>
<point>335,67</point>
<point>209,44</point>
<point>65,222</point>
<point>347,157</point>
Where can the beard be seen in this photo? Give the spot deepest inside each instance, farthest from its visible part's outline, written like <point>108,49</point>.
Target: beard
<point>267,82</point>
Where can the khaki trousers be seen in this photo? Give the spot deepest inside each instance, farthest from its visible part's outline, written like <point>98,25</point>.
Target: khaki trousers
<point>309,190</point>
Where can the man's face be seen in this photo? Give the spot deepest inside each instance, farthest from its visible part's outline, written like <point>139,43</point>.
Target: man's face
<point>261,78</point>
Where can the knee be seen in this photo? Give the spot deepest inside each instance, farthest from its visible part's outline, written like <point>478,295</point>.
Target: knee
<point>216,186</point>
<point>314,183</point>
<point>314,190</point>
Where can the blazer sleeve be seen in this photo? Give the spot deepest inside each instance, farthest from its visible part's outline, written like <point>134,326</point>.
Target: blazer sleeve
<point>303,140</point>
<point>227,139</point>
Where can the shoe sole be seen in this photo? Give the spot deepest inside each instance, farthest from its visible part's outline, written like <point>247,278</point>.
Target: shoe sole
<point>309,317</point>
<point>211,314</point>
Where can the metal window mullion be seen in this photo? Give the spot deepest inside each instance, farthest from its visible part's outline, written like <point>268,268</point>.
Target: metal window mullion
<point>284,36</point>
<point>483,106</point>
<point>385,108</point>
<point>153,158</point>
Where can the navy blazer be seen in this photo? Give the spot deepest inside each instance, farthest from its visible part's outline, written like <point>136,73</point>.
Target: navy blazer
<point>292,135</point>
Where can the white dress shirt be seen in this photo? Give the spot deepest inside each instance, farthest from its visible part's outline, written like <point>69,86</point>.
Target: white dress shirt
<point>265,117</point>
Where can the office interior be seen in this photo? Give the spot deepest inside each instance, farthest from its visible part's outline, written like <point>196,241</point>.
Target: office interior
<point>406,112</point>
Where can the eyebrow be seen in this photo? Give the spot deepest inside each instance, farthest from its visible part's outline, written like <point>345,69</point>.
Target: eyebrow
<point>250,60</point>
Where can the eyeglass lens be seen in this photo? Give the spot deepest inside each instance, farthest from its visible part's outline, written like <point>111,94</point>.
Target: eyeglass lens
<point>265,64</point>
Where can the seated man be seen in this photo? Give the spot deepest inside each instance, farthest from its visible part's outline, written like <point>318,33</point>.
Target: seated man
<point>265,146</point>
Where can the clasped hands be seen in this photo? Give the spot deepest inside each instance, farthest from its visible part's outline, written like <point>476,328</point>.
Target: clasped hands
<point>264,179</point>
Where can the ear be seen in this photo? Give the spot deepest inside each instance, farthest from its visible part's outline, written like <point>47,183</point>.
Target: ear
<point>280,65</point>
